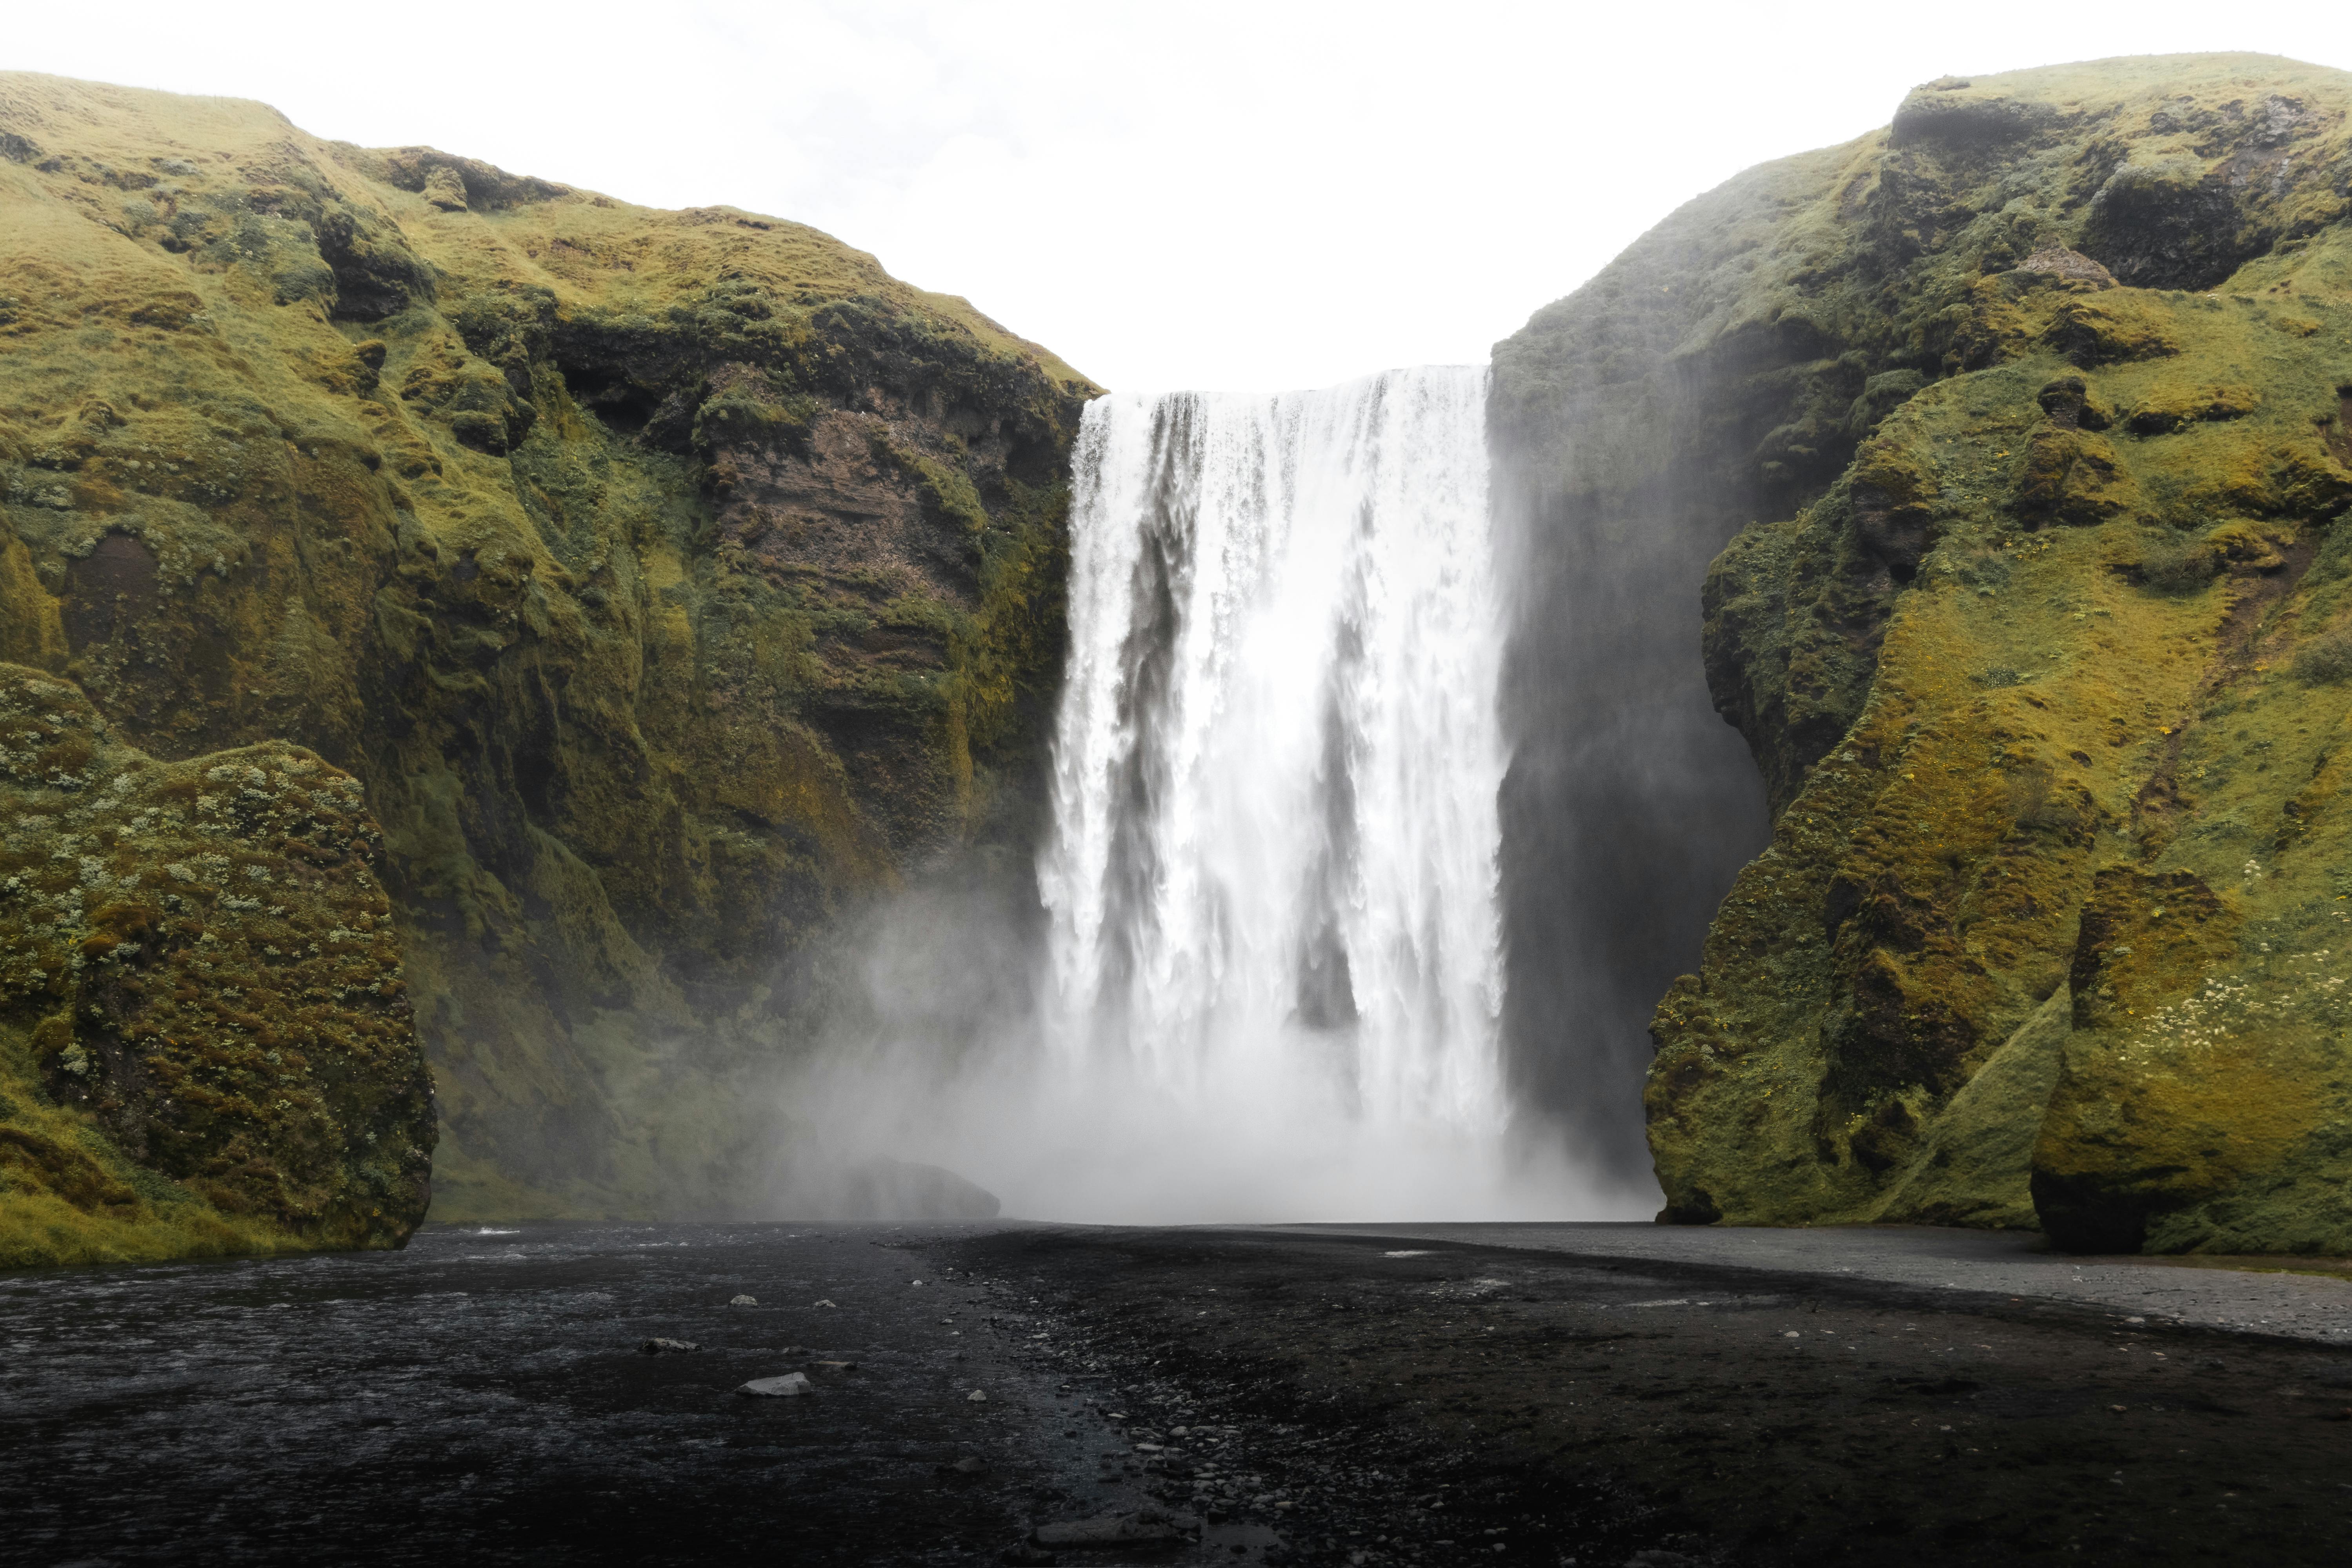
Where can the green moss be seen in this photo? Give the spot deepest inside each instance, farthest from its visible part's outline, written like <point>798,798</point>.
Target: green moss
<point>746,409</point>
<point>1973,1162</point>
<point>204,1034</point>
<point>2167,406</point>
<point>2072,477</point>
<point>2325,660</point>
<point>2173,565</point>
<point>946,491</point>
<point>2111,328</point>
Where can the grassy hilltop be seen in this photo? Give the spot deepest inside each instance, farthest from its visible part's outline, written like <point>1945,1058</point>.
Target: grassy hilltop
<point>663,581</point>
<point>2034,406</point>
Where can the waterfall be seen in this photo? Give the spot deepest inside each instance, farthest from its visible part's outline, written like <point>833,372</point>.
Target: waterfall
<point>1272,874</point>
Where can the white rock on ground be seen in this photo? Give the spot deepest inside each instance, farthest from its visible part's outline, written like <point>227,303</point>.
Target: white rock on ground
<point>790,1386</point>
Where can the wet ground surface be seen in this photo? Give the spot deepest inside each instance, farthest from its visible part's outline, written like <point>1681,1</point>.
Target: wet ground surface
<point>481,1398</point>
<point>1431,1401</point>
<point>2300,1298</point>
<point>1304,1396</point>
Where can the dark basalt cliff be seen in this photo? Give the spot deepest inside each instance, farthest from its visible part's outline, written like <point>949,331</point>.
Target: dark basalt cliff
<point>2021,428</point>
<point>668,583</point>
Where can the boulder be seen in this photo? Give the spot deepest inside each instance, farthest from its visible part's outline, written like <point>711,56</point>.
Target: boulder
<point>791,1386</point>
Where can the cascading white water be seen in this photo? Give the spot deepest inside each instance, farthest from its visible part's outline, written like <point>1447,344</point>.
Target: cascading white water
<point>1272,878</point>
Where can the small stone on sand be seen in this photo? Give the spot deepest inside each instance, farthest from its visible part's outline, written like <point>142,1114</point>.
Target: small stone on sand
<point>743,1301</point>
<point>790,1386</point>
<point>670,1347</point>
<point>977,1397</point>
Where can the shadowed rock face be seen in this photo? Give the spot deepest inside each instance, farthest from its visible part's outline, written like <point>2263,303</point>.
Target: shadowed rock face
<point>2021,430</point>
<point>671,582</point>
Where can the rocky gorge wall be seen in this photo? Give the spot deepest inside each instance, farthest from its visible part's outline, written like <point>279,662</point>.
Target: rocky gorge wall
<point>2022,428</point>
<point>667,583</point>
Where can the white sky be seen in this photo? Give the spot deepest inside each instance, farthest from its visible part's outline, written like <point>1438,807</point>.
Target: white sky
<point>1187,193</point>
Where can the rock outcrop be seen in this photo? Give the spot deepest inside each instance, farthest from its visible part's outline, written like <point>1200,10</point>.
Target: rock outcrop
<point>668,581</point>
<point>2034,408</point>
<point>205,1040</point>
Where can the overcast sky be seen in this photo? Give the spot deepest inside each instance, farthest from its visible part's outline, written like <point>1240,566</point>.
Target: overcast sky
<point>1202,193</point>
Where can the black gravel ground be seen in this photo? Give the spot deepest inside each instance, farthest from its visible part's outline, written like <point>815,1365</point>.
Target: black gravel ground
<point>481,1398</point>
<point>1392,1401</point>
<point>1304,1398</point>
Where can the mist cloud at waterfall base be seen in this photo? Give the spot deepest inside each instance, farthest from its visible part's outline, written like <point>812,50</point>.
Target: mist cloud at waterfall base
<point>931,1049</point>
<point>1100,1144</point>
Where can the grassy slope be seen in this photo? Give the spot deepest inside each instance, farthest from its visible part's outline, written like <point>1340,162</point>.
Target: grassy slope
<point>2049,712</point>
<point>492,492</point>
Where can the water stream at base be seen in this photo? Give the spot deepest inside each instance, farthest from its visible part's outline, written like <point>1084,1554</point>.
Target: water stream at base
<point>1275,946</point>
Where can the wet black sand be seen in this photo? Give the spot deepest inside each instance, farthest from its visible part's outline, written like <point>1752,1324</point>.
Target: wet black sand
<point>1533,1407</point>
<point>481,1398</point>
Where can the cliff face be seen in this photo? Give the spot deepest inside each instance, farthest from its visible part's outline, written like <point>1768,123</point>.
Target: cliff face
<point>668,581</point>
<point>2036,403</point>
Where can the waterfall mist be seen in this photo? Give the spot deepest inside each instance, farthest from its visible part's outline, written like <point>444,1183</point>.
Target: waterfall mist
<point>1267,972</point>
<point>1629,809</point>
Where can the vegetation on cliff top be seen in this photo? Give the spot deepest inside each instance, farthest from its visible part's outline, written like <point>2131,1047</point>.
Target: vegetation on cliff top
<point>669,581</point>
<point>2042,393</point>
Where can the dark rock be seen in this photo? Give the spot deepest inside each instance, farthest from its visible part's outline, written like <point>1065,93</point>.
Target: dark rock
<point>2071,406</point>
<point>668,1347</point>
<point>2072,266</point>
<point>1938,112</point>
<point>2167,222</point>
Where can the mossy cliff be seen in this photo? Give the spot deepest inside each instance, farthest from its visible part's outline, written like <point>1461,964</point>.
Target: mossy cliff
<point>668,581</point>
<point>2035,407</point>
